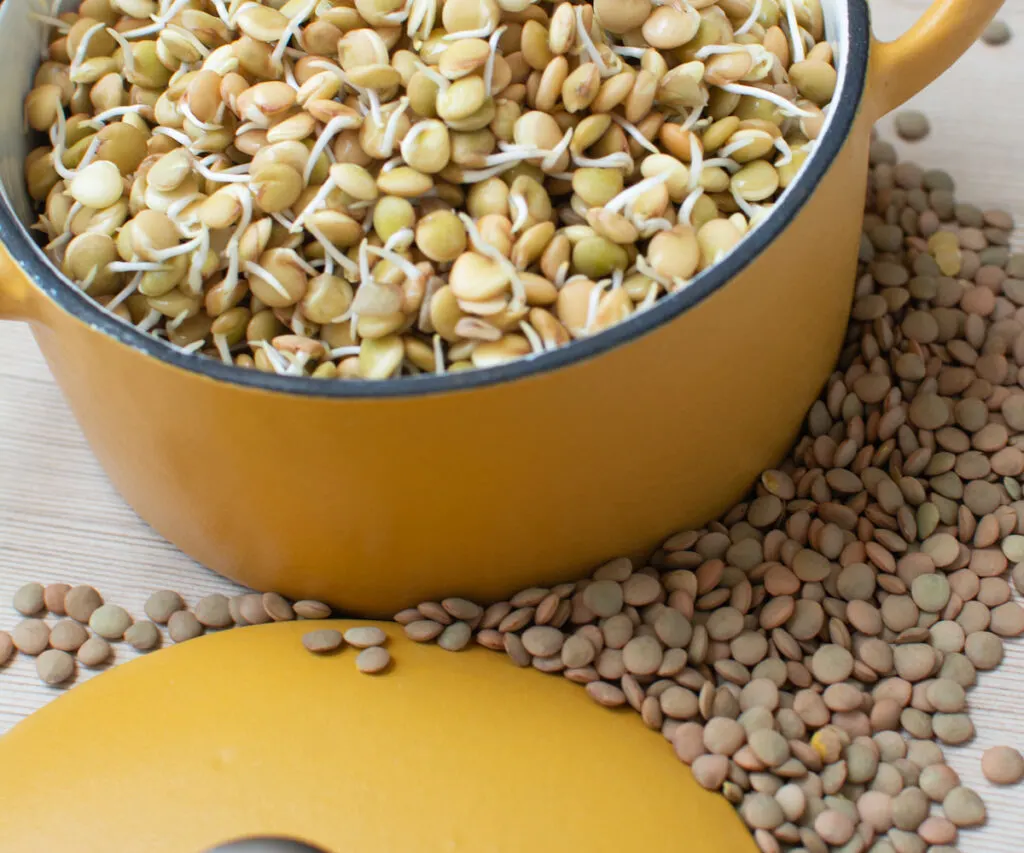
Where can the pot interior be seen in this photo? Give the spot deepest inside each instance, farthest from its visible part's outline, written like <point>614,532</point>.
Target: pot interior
<point>22,43</point>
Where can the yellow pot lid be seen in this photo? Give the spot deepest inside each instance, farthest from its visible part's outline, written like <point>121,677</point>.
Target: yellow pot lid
<point>246,733</point>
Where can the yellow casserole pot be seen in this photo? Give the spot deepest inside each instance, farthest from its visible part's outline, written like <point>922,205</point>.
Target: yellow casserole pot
<point>376,495</point>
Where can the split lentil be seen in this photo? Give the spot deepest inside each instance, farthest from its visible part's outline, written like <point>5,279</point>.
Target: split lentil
<point>412,187</point>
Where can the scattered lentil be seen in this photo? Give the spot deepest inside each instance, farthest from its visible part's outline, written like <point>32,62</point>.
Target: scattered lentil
<point>213,611</point>
<point>55,666</point>
<point>278,607</point>
<point>68,635</point>
<point>143,636</point>
<point>29,599</point>
<point>964,807</point>
<point>455,637</point>
<point>323,640</point>
<point>80,602</point>
<point>1002,765</point>
<point>183,626</point>
<point>162,604</point>
<point>373,660</point>
<point>997,33</point>
<point>6,647</point>
<point>911,125</point>
<point>31,636</point>
<point>53,597</point>
<point>94,652</point>
<point>307,609</point>
<point>365,637</point>
<point>110,621</point>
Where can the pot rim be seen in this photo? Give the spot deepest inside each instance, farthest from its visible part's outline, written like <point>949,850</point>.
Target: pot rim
<point>853,77</point>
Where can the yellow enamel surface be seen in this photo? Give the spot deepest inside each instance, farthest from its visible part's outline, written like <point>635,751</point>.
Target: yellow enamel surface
<point>902,68</point>
<point>245,732</point>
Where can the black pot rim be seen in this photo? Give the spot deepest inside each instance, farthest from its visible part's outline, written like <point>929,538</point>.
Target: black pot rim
<point>26,254</point>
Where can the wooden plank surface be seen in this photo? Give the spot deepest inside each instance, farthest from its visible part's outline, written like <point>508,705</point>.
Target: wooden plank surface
<point>61,520</point>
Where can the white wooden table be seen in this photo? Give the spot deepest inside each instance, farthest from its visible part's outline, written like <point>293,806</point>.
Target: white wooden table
<point>61,520</point>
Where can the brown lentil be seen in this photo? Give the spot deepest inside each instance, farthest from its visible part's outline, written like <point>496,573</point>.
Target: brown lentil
<point>80,602</point>
<point>31,636</point>
<point>29,599</point>
<point>94,652</point>
<point>911,125</point>
<point>373,660</point>
<point>1002,765</point>
<point>161,604</point>
<point>323,640</point>
<point>55,667</point>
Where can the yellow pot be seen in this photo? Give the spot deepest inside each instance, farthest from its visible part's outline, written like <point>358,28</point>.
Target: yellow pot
<point>376,495</point>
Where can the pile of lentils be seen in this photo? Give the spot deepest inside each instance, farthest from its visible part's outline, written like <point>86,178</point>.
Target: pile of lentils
<point>84,627</point>
<point>809,654</point>
<point>393,187</point>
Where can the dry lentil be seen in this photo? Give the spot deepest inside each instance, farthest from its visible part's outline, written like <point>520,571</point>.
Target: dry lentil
<point>55,667</point>
<point>94,652</point>
<point>1002,765</point>
<point>68,635</point>
<point>911,125</point>
<point>455,637</point>
<point>31,636</point>
<point>997,33</point>
<point>323,640</point>
<point>80,602</point>
<point>29,599</point>
<point>373,660</point>
<point>964,807</point>
<point>53,597</point>
<point>7,647</point>
<point>161,604</point>
<point>365,637</point>
<point>143,636</point>
<point>307,609</point>
<point>110,621</point>
<point>183,626</point>
<point>212,611</point>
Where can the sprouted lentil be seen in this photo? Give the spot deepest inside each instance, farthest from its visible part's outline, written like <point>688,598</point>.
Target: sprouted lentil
<point>415,187</point>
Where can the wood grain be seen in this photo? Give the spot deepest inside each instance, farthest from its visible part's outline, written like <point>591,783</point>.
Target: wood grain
<point>61,520</point>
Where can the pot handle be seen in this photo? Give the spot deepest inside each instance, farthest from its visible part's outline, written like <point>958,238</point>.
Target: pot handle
<point>902,68</point>
<point>18,299</point>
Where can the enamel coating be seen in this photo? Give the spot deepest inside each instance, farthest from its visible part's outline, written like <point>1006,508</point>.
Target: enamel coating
<point>245,733</point>
<point>532,475</point>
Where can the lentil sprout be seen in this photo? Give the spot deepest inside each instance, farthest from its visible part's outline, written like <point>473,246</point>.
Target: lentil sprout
<point>410,187</point>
